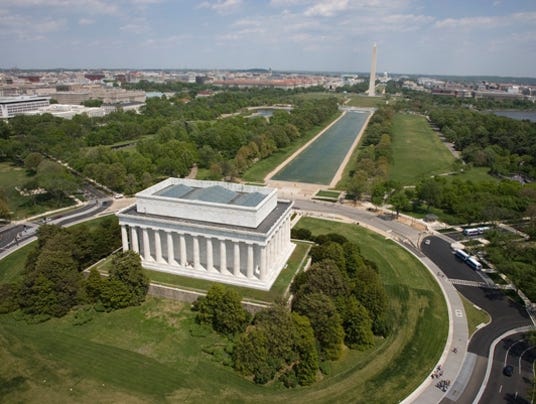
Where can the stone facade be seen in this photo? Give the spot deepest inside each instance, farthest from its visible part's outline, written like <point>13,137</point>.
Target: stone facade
<point>229,233</point>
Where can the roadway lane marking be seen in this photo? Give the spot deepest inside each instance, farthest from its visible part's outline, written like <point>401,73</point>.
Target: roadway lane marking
<point>510,347</point>
<point>521,356</point>
<point>458,313</point>
<point>500,388</point>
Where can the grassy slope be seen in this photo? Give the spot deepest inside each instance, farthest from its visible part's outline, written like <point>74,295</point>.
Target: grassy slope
<point>417,151</point>
<point>156,352</point>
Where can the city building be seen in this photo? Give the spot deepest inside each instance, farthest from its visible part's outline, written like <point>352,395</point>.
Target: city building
<point>225,232</point>
<point>11,106</point>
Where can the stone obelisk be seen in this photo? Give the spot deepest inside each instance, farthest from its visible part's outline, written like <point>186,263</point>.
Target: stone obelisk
<point>372,83</point>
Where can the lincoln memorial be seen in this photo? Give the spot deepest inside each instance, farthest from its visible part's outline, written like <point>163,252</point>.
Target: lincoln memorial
<point>225,232</point>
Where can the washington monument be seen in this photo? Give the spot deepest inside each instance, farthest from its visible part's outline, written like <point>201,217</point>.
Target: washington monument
<point>372,83</point>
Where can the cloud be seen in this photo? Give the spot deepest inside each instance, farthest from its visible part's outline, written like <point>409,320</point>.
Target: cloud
<point>487,21</point>
<point>467,22</point>
<point>88,6</point>
<point>86,21</point>
<point>222,6</point>
<point>327,9</point>
<point>24,28</point>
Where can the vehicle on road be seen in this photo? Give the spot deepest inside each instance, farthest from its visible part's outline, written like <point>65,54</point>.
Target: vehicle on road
<point>461,255</point>
<point>473,263</point>
<point>508,370</point>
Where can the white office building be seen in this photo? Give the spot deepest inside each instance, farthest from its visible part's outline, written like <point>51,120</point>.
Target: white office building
<point>230,233</point>
<point>11,106</point>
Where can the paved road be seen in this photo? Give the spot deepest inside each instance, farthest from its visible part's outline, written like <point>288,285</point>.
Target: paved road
<point>516,351</point>
<point>505,314</point>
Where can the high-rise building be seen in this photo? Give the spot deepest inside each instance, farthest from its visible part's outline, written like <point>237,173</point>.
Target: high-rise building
<point>372,83</point>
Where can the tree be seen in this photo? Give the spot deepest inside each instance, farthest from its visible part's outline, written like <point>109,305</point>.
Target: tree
<point>51,286</point>
<point>5,212</point>
<point>326,323</point>
<point>32,161</point>
<point>400,201</point>
<point>222,309</point>
<point>126,268</point>
<point>370,292</point>
<point>9,297</point>
<point>305,346</point>
<point>93,285</point>
<point>323,277</point>
<point>52,177</point>
<point>250,356</point>
<point>356,323</point>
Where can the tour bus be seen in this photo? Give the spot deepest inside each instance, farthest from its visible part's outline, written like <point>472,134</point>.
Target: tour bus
<point>473,231</point>
<point>461,255</point>
<point>473,263</point>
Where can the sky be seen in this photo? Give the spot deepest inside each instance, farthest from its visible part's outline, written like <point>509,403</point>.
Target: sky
<point>448,37</point>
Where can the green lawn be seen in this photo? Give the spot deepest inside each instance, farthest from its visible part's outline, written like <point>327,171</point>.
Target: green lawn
<point>364,101</point>
<point>295,263</point>
<point>156,352</point>
<point>475,316</point>
<point>259,170</point>
<point>12,176</point>
<point>12,266</point>
<point>417,151</point>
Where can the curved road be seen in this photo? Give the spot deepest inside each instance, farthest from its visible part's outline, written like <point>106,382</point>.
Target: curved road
<point>506,315</point>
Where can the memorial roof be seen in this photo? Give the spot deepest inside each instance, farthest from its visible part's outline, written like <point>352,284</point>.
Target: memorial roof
<point>262,228</point>
<point>213,194</point>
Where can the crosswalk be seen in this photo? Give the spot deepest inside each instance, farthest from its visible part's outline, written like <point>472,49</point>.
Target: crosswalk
<point>475,284</point>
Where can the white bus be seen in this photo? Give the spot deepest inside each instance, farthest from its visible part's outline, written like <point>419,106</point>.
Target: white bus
<point>461,255</point>
<point>473,263</point>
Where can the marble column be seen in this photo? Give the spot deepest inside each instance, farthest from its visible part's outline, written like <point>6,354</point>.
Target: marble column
<point>170,250</point>
<point>158,246</point>
<point>250,262</point>
<point>182,245</point>
<point>146,245</point>
<point>223,256</point>
<point>236,256</point>
<point>124,237</point>
<point>195,243</point>
<point>210,257</point>
<point>263,266</point>
<point>134,239</point>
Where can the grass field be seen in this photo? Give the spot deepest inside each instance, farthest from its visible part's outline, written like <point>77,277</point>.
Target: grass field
<point>475,316</point>
<point>259,170</point>
<point>364,101</point>
<point>12,176</point>
<point>417,151</point>
<point>156,352</point>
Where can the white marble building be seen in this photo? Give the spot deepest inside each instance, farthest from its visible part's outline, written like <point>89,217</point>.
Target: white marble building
<point>231,233</point>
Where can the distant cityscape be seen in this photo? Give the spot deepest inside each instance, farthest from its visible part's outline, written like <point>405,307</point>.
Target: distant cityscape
<point>61,92</point>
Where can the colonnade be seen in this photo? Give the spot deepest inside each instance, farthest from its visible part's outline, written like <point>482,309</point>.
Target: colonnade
<point>173,250</point>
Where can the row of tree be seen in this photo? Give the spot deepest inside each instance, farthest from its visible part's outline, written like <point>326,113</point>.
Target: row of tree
<point>339,301</point>
<point>167,138</point>
<point>505,145</point>
<point>52,281</point>
<point>371,168</point>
